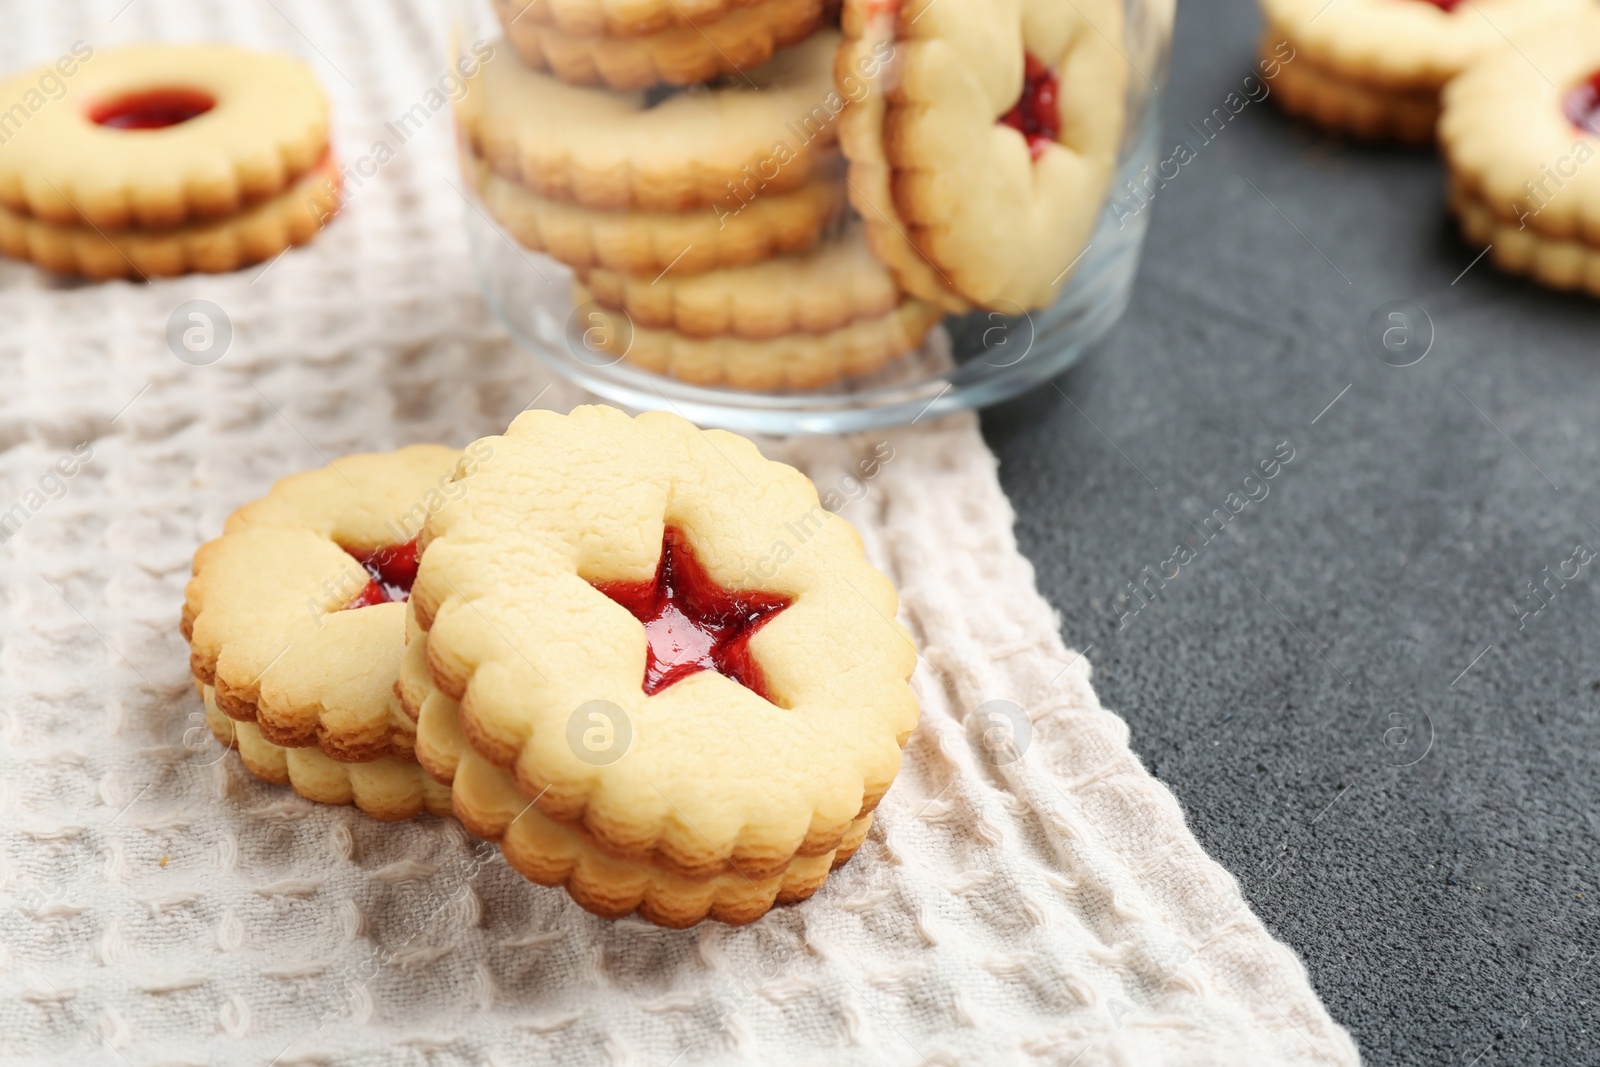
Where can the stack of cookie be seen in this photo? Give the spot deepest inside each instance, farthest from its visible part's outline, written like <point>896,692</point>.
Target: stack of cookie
<point>684,704</point>
<point>683,161</point>
<point>160,160</point>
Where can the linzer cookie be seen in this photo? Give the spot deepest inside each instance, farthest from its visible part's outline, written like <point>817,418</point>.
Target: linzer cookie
<point>649,242</point>
<point>1374,68</point>
<point>487,801</point>
<point>295,615</point>
<point>160,159</point>
<point>792,322</point>
<point>765,133</point>
<point>834,284</point>
<point>386,788</point>
<point>158,135</point>
<point>679,54</point>
<point>1521,132</point>
<point>252,235</point>
<point>700,681</point>
<point>981,154</point>
<point>621,18</point>
<point>798,360</point>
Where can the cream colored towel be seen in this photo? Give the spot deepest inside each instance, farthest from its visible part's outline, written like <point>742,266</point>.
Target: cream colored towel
<point>162,906</point>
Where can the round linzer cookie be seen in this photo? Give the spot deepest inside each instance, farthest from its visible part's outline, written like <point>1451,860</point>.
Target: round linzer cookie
<point>703,676</point>
<point>295,615</point>
<point>1521,133</point>
<point>799,360</point>
<point>1374,68</point>
<point>385,788</point>
<point>1309,90</point>
<point>649,242</point>
<point>835,283</point>
<point>549,853</point>
<point>746,36</point>
<point>558,855</point>
<point>619,18</point>
<point>159,135</point>
<point>764,133</point>
<point>439,741</point>
<point>982,148</point>
<point>252,235</point>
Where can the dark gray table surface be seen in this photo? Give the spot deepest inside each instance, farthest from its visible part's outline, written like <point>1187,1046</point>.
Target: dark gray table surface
<point>1348,689</point>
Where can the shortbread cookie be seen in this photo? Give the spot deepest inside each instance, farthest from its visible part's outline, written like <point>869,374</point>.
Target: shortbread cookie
<point>486,800</point>
<point>253,235</point>
<point>387,788</point>
<point>836,283</point>
<point>160,135</point>
<point>1374,68</point>
<point>439,739</point>
<point>866,57</point>
<point>294,615</point>
<point>620,18</point>
<point>553,854</point>
<point>745,37</point>
<point>744,652</point>
<point>649,242</point>
<point>1571,263</point>
<point>764,133</point>
<point>1308,90</point>
<point>981,155</point>
<point>791,361</point>
<point>1521,133</point>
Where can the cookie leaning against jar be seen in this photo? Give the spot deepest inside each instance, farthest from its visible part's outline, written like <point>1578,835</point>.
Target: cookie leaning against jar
<point>983,145</point>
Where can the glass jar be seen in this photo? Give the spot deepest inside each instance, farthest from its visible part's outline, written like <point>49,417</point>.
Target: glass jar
<point>776,216</point>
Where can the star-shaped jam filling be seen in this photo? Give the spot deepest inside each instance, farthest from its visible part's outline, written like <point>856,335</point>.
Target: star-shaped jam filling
<point>691,623</point>
<point>392,570</point>
<point>1582,105</point>
<point>1037,113</point>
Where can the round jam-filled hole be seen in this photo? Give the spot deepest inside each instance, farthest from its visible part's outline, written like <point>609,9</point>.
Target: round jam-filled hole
<point>153,109</point>
<point>1446,6</point>
<point>1582,105</point>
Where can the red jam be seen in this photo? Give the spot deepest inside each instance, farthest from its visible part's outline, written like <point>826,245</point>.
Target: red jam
<point>691,623</point>
<point>391,570</point>
<point>153,110</point>
<point>1582,105</point>
<point>1446,6</point>
<point>1037,115</point>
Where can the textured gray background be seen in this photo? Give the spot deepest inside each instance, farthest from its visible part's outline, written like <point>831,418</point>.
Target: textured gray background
<point>1428,848</point>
